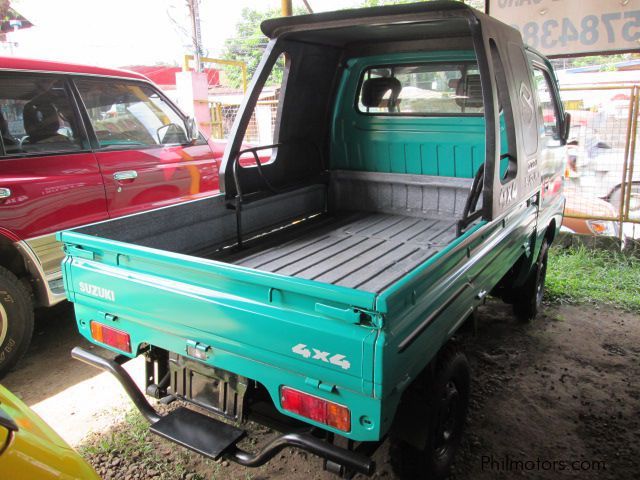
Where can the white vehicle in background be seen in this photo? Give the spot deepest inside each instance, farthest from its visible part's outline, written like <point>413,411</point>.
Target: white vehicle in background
<point>579,207</point>
<point>595,168</point>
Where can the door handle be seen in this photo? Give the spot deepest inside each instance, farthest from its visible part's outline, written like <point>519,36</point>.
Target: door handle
<point>125,175</point>
<point>5,192</point>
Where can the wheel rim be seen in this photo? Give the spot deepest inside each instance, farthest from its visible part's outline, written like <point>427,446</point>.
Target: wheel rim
<point>447,419</point>
<point>4,324</point>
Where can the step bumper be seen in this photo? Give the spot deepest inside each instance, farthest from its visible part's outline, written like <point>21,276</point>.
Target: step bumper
<point>215,439</point>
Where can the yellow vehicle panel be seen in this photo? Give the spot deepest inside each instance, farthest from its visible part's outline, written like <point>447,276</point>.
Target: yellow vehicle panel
<point>34,450</point>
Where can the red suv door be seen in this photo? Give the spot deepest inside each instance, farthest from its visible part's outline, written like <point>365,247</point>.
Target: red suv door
<point>141,147</point>
<point>49,178</point>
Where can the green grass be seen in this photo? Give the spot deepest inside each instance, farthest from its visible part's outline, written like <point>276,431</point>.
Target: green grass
<point>582,275</point>
<point>132,440</point>
<point>125,441</point>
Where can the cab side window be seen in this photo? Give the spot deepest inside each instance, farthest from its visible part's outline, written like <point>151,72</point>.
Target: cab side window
<point>37,116</point>
<point>547,108</point>
<point>130,114</point>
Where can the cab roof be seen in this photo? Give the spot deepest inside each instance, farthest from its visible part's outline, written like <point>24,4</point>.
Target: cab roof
<point>31,65</point>
<point>372,16</point>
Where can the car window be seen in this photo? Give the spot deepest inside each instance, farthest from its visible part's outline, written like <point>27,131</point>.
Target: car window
<point>129,114</point>
<point>37,116</point>
<point>421,89</point>
<point>547,107</point>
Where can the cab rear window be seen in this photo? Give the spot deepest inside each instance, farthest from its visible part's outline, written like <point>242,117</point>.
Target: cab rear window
<point>421,90</point>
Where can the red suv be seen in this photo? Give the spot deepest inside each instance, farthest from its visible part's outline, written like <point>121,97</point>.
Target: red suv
<point>81,144</point>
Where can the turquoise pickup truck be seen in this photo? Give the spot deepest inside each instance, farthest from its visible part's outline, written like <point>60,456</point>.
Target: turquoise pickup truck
<point>416,169</point>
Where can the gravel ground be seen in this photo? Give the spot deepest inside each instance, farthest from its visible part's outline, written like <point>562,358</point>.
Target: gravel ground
<point>558,398</point>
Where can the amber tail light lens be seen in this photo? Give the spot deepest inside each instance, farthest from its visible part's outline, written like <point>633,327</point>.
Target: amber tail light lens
<point>110,336</point>
<point>315,408</point>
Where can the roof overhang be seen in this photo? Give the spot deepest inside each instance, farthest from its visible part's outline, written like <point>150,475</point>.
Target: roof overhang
<point>386,21</point>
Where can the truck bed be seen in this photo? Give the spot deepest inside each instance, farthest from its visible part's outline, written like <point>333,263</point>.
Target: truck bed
<point>363,231</point>
<point>362,250</point>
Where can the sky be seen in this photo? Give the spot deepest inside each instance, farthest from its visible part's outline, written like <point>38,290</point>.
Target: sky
<point>115,33</point>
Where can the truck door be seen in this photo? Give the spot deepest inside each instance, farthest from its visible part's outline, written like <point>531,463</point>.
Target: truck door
<point>141,146</point>
<point>552,155</point>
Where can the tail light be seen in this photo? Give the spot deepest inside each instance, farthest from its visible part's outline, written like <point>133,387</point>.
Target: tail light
<point>110,336</point>
<point>602,227</point>
<point>315,408</point>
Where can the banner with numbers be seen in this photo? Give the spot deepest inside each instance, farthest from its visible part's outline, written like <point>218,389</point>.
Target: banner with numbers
<point>570,27</point>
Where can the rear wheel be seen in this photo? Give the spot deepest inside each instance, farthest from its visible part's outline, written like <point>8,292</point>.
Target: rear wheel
<point>528,298</point>
<point>16,320</point>
<point>446,403</point>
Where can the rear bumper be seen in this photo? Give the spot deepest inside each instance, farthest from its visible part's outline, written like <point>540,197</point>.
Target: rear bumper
<point>222,441</point>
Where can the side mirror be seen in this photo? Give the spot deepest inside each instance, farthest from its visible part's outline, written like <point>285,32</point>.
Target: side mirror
<point>171,134</point>
<point>192,130</point>
<point>566,127</point>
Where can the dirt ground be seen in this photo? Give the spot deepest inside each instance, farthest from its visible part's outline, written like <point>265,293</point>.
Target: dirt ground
<point>74,398</point>
<point>558,398</point>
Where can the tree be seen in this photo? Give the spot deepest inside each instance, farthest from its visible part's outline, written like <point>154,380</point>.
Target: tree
<point>605,63</point>
<point>5,5</point>
<point>248,44</point>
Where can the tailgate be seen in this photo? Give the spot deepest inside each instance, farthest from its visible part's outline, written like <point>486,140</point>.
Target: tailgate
<point>167,299</point>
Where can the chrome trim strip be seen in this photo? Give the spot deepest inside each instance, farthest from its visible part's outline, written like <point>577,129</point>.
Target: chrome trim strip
<point>44,295</point>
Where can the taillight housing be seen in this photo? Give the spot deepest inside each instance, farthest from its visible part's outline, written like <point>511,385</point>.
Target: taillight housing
<point>111,336</point>
<point>316,408</point>
<point>602,227</point>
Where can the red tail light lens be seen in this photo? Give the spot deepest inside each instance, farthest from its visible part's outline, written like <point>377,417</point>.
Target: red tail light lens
<point>110,336</point>
<point>315,408</point>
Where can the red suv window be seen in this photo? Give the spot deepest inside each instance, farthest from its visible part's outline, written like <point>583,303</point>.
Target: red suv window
<point>127,114</point>
<point>37,116</point>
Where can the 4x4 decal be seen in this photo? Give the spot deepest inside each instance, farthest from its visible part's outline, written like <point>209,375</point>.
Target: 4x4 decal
<point>315,354</point>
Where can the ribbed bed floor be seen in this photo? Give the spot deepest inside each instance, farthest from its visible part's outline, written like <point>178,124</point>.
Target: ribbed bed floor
<point>366,251</point>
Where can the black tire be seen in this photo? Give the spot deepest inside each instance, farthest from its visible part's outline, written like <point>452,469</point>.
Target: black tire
<point>16,320</point>
<point>446,402</point>
<point>528,298</point>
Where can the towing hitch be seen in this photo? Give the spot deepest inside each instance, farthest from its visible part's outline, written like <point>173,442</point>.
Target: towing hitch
<point>215,439</point>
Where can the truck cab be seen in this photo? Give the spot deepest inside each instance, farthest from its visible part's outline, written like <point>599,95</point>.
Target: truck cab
<point>417,168</point>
